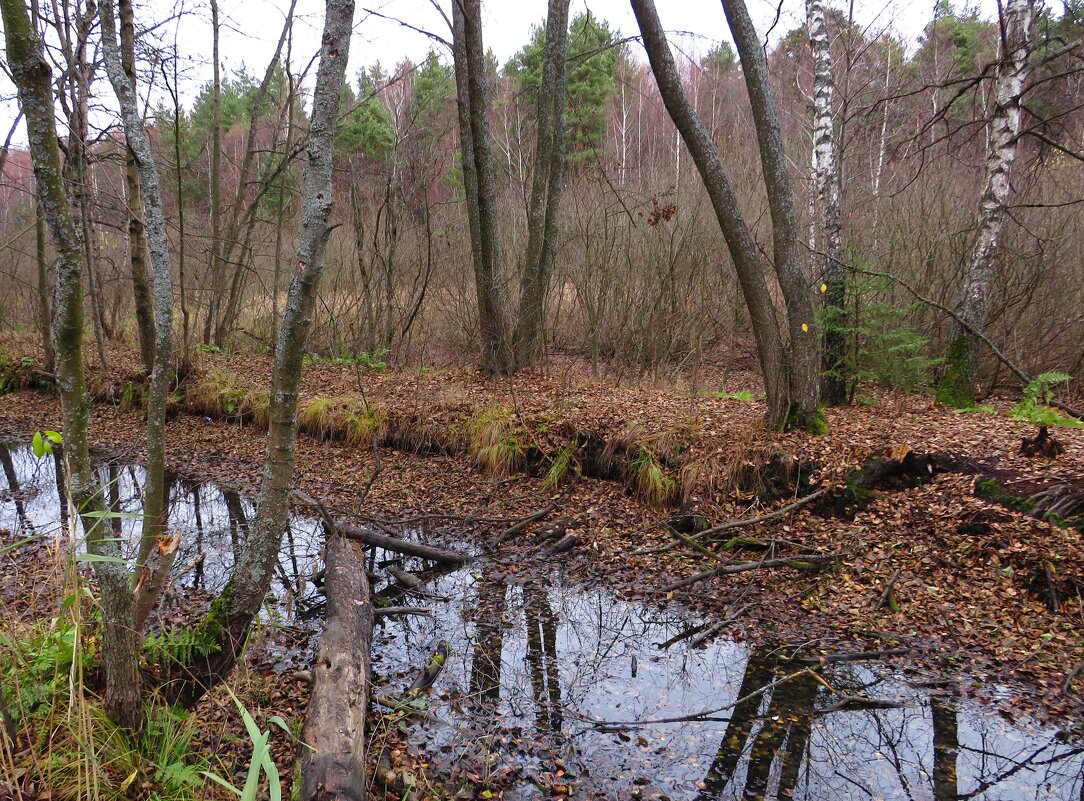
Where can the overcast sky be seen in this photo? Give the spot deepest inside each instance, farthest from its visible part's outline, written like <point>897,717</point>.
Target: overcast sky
<point>251,29</point>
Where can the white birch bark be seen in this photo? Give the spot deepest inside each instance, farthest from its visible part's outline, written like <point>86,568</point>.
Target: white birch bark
<point>826,171</point>
<point>957,385</point>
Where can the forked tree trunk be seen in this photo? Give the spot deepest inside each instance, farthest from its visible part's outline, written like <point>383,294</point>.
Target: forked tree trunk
<point>154,503</point>
<point>804,345</point>
<point>739,240</point>
<point>826,167</point>
<point>137,243</point>
<point>957,386</point>
<point>549,166</point>
<point>226,625</point>
<point>33,79</point>
<point>480,184</point>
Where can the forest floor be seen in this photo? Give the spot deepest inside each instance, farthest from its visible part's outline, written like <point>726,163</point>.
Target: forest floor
<point>978,588</point>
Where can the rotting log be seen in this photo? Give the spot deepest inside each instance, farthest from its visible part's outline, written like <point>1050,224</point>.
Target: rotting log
<point>333,738</point>
<point>390,543</point>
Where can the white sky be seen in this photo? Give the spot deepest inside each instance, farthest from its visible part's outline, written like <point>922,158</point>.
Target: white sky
<point>251,29</point>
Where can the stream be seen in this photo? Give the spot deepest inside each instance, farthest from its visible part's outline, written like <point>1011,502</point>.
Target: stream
<point>549,684</point>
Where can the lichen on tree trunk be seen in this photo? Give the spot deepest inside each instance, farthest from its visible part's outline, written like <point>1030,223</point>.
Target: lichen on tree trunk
<point>227,622</point>
<point>33,78</point>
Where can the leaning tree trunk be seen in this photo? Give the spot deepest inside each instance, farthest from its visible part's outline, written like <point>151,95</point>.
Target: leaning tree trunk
<point>957,386</point>
<point>224,629</point>
<point>786,234</point>
<point>480,182</point>
<point>33,79</point>
<point>137,243</point>
<point>549,166</point>
<point>826,168</point>
<point>740,242</point>
<point>149,584</point>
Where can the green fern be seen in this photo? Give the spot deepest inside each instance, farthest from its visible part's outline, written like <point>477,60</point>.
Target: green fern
<point>180,645</point>
<point>1034,406</point>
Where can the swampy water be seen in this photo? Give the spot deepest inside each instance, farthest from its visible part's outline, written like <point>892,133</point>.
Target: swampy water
<point>553,687</point>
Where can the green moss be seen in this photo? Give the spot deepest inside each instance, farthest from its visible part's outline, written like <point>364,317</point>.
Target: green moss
<point>955,388</point>
<point>989,489</point>
<point>815,424</point>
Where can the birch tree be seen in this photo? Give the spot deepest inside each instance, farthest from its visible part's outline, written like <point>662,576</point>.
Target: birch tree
<point>33,78</point>
<point>826,169</point>
<point>957,386</point>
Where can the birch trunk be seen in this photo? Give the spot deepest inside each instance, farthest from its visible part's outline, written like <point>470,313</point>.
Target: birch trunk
<point>804,342</point>
<point>139,147</point>
<point>226,625</point>
<point>826,169</point>
<point>480,182</point>
<point>739,240</point>
<point>33,78</point>
<point>549,165</point>
<point>957,386</point>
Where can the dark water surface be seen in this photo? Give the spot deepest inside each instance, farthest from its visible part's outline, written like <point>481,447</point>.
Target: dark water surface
<point>537,664</point>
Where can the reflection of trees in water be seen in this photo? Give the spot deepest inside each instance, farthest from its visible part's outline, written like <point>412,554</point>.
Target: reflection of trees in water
<point>946,746</point>
<point>542,656</point>
<point>773,729</point>
<point>13,486</point>
<point>485,673</point>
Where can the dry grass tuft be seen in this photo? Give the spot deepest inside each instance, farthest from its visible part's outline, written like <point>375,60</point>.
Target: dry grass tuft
<point>495,442</point>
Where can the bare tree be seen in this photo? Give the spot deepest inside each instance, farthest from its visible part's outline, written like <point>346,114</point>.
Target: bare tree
<point>957,386</point>
<point>137,242</point>
<point>226,624</point>
<point>480,183</point>
<point>33,78</point>
<point>739,240</point>
<point>150,578</point>
<point>802,325</point>
<point>549,164</point>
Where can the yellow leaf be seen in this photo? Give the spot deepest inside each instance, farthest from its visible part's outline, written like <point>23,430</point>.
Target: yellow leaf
<point>824,288</point>
<point>124,785</point>
<point>805,327</point>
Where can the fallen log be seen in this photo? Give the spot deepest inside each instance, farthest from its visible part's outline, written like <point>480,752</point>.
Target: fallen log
<point>566,543</point>
<point>404,577</point>
<point>810,562</point>
<point>764,518</point>
<point>520,525</point>
<point>333,738</point>
<point>394,611</point>
<point>390,543</point>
